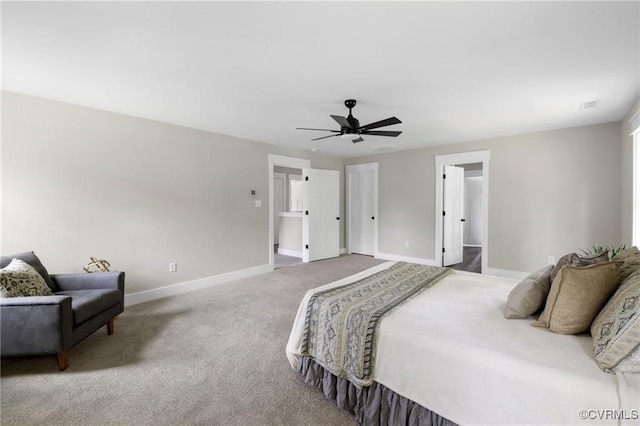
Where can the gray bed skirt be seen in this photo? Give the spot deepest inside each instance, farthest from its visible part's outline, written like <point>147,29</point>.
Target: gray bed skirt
<point>373,405</point>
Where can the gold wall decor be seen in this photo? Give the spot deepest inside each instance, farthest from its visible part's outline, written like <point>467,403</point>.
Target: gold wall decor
<point>97,265</point>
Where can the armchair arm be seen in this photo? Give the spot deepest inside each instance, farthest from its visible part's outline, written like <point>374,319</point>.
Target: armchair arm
<point>35,325</point>
<point>95,280</point>
<point>34,301</point>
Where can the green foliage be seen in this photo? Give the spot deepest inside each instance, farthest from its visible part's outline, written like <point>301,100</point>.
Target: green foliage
<point>596,249</point>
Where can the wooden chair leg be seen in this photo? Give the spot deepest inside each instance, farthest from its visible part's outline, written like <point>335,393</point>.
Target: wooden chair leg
<point>63,360</point>
<point>110,326</point>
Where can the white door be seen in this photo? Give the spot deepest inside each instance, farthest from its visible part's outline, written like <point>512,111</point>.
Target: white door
<point>361,188</point>
<point>452,220</point>
<point>321,215</point>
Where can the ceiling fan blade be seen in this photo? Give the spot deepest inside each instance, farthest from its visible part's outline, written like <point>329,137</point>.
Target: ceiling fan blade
<point>381,132</point>
<point>324,137</point>
<point>386,122</point>
<point>341,121</point>
<point>324,130</point>
<point>357,140</point>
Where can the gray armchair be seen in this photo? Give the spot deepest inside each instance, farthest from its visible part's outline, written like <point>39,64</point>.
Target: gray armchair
<point>82,303</point>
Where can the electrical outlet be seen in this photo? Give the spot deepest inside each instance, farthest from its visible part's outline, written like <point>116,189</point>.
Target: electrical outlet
<point>173,266</point>
<point>551,260</point>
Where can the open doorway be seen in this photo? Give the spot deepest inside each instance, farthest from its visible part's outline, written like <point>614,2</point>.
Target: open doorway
<point>320,236</point>
<point>278,163</point>
<point>471,219</point>
<point>287,216</point>
<point>466,227</point>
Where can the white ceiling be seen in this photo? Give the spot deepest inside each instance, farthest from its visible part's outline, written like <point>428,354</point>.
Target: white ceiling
<point>451,72</point>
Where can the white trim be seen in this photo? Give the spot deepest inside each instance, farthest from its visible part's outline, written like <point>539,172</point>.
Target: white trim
<point>292,253</point>
<point>457,159</point>
<point>418,260</point>
<point>635,185</point>
<point>357,168</point>
<point>505,273</point>
<point>282,161</point>
<point>635,122</point>
<point>199,284</point>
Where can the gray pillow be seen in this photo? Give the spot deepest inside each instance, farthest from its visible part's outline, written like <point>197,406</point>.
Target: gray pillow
<point>575,260</point>
<point>616,329</point>
<point>529,295</point>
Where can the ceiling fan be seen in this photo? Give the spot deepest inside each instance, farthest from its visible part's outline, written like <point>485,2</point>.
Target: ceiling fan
<point>350,126</point>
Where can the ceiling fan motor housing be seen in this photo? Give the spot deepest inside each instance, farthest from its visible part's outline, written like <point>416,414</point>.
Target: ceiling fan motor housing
<point>350,103</point>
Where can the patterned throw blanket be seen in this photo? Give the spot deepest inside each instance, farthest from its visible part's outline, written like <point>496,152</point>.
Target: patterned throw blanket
<point>341,323</point>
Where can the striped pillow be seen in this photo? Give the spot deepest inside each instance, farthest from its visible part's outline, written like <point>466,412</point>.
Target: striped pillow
<point>616,329</point>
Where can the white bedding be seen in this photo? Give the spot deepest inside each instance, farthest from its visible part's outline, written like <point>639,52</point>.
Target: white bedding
<point>451,350</point>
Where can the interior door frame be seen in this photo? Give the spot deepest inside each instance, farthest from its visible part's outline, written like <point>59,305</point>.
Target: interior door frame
<point>453,160</point>
<point>357,168</point>
<point>282,161</point>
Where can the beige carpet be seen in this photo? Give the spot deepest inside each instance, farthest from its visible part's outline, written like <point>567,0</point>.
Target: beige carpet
<point>213,357</point>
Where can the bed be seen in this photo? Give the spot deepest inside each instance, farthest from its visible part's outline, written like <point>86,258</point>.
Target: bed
<point>448,355</point>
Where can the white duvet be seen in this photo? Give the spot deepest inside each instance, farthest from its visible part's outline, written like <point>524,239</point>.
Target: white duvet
<point>451,350</point>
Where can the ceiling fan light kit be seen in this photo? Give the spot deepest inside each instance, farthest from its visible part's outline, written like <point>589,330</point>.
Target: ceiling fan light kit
<point>350,127</point>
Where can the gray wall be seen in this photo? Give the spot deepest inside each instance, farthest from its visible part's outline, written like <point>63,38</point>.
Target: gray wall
<point>79,182</point>
<point>549,193</point>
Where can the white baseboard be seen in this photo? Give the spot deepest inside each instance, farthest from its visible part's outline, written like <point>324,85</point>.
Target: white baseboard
<point>292,253</point>
<point>505,273</point>
<point>174,289</point>
<point>418,260</point>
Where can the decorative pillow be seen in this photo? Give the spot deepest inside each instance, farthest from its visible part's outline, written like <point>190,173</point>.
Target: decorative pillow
<point>577,295</point>
<point>529,295</point>
<point>575,260</point>
<point>616,329</point>
<point>631,259</point>
<point>33,260</point>
<point>21,279</point>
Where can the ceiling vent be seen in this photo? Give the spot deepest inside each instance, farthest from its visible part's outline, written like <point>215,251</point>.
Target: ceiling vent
<point>588,104</point>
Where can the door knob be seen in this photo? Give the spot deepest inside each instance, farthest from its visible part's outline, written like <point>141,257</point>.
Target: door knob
<point>462,220</point>
<point>337,218</point>
<point>373,217</point>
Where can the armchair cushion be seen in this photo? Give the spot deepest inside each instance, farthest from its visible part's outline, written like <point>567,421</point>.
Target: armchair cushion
<point>30,258</point>
<point>87,303</point>
<point>19,278</point>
